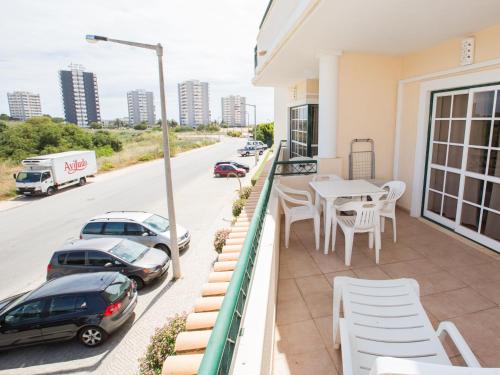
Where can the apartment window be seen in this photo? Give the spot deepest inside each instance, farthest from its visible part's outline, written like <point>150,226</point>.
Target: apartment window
<point>304,130</point>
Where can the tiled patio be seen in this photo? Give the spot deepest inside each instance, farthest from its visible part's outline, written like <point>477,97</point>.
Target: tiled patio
<point>458,282</point>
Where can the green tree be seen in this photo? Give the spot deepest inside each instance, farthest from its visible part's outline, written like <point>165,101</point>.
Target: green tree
<point>103,137</point>
<point>3,126</point>
<point>4,117</point>
<point>265,133</point>
<point>58,120</point>
<point>95,125</point>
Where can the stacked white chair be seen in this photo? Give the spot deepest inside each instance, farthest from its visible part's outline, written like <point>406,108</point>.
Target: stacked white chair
<point>365,220</point>
<point>395,189</point>
<point>297,209</point>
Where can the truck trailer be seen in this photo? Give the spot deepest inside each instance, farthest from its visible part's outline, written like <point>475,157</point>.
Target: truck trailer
<point>49,173</point>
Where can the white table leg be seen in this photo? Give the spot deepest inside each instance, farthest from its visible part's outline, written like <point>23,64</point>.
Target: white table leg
<point>328,224</point>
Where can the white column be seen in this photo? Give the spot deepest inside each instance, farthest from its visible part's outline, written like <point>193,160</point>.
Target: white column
<point>328,105</point>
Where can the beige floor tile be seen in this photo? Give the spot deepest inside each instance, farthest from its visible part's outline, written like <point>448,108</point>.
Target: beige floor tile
<point>330,276</point>
<point>490,290</point>
<point>454,303</point>
<point>371,273</point>
<point>319,303</point>
<point>299,337</point>
<point>312,363</point>
<point>303,267</point>
<point>410,268</point>
<point>284,272</point>
<point>292,311</point>
<point>481,331</point>
<point>329,263</point>
<point>313,284</point>
<point>438,282</point>
<point>478,274</point>
<point>288,290</point>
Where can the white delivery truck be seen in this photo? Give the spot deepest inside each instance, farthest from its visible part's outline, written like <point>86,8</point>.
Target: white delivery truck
<point>48,173</point>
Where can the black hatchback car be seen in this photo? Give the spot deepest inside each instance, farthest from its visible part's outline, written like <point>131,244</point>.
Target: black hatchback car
<point>88,306</point>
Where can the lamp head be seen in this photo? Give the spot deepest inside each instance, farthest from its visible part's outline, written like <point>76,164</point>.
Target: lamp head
<point>95,38</point>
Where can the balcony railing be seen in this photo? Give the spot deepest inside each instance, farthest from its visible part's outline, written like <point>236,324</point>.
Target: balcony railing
<point>220,349</point>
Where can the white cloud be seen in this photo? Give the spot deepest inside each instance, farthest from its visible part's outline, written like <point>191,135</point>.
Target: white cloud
<point>209,40</point>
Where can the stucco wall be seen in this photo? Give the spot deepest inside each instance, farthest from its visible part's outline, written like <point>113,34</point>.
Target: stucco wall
<point>439,58</point>
<point>367,106</point>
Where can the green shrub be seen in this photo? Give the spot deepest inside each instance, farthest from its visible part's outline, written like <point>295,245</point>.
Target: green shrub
<point>234,133</point>
<point>162,345</point>
<point>220,239</point>
<point>238,205</point>
<point>107,166</point>
<point>104,151</point>
<point>147,157</point>
<point>103,137</point>
<point>141,126</point>
<point>245,192</point>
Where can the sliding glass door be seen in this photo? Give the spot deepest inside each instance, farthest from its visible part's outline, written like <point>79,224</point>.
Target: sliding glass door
<point>462,187</point>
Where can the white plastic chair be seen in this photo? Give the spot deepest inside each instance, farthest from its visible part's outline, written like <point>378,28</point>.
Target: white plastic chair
<point>388,209</point>
<point>398,366</point>
<point>365,220</point>
<point>384,318</point>
<point>301,210</point>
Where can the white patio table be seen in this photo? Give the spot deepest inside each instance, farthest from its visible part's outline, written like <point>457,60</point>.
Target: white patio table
<point>331,190</point>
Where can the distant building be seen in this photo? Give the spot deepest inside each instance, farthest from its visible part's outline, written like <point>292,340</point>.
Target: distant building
<point>23,105</point>
<point>234,110</point>
<point>141,107</point>
<point>80,96</point>
<point>193,103</point>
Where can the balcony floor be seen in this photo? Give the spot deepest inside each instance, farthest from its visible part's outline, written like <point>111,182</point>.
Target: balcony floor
<point>458,282</point>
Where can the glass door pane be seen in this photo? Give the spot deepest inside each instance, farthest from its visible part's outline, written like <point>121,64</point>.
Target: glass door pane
<point>462,189</point>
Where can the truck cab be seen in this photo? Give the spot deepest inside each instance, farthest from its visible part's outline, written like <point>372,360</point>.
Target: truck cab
<point>30,182</point>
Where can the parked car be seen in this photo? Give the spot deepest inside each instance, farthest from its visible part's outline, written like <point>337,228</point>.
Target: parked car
<point>140,263</point>
<point>249,150</point>
<point>259,145</point>
<point>236,164</point>
<point>228,170</point>
<point>144,227</point>
<point>89,306</point>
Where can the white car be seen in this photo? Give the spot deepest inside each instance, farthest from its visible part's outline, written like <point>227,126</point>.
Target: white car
<point>146,228</point>
<point>259,145</point>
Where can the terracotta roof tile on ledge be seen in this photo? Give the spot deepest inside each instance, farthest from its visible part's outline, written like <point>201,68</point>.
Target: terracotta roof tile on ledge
<point>191,344</point>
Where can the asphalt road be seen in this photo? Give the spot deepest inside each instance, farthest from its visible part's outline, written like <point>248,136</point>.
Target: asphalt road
<point>32,230</point>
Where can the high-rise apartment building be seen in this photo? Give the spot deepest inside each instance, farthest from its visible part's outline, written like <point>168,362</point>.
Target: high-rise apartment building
<point>193,103</point>
<point>141,107</point>
<point>234,110</point>
<point>23,105</point>
<point>80,96</point>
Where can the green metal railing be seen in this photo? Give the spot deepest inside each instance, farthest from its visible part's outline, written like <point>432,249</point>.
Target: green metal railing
<point>219,352</point>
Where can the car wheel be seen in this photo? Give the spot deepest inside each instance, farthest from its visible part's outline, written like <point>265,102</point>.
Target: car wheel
<point>82,181</point>
<point>139,283</point>
<point>92,336</point>
<point>50,191</point>
<point>164,248</point>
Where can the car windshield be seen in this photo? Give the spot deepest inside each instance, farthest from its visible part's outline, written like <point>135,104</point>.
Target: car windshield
<point>28,177</point>
<point>129,251</point>
<point>157,223</point>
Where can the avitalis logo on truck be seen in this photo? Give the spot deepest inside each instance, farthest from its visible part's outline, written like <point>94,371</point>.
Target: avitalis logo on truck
<point>75,165</point>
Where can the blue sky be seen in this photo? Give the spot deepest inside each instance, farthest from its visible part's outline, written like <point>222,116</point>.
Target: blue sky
<point>209,40</point>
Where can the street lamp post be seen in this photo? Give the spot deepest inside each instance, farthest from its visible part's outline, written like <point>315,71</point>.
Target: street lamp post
<point>174,248</point>
<point>254,117</point>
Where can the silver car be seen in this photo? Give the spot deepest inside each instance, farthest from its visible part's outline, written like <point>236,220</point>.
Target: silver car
<point>146,228</point>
